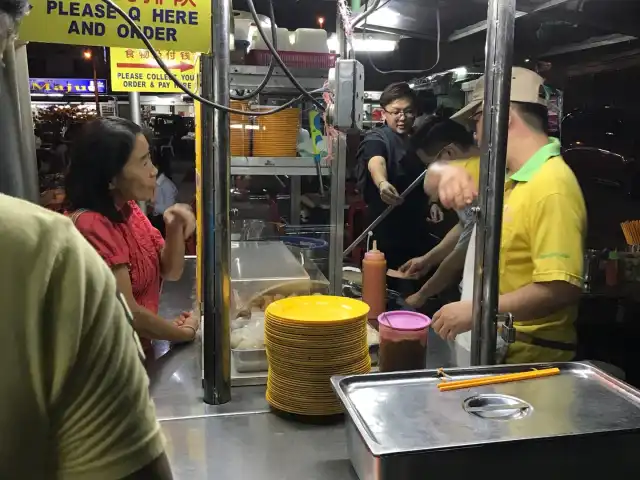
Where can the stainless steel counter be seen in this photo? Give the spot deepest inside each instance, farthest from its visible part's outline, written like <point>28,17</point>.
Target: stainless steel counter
<point>241,439</point>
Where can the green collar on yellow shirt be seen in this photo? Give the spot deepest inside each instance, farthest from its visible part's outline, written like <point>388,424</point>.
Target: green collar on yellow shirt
<point>528,170</point>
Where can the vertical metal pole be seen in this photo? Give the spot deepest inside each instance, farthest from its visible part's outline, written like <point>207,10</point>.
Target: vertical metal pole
<point>136,117</point>
<point>341,37</point>
<point>218,366</point>
<point>12,181</point>
<point>28,157</point>
<point>338,174</point>
<point>134,107</point>
<point>96,92</point>
<point>499,51</point>
<point>207,223</point>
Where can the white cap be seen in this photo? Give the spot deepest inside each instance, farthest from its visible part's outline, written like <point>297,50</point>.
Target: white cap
<point>526,87</point>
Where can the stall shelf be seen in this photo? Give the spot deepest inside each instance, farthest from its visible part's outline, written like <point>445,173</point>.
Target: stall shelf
<point>250,76</point>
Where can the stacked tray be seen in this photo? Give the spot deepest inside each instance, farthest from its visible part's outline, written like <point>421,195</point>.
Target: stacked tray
<point>240,130</point>
<point>277,135</point>
<point>308,340</point>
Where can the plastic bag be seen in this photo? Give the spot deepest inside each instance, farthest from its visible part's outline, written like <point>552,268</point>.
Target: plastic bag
<point>249,336</point>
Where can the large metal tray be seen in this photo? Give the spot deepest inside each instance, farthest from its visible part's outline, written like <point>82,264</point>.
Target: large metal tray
<point>400,426</point>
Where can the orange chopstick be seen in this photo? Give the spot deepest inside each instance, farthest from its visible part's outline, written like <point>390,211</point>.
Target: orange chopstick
<point>511,377</point>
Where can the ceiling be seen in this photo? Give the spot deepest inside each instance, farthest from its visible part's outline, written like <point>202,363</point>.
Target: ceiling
<point>545,29</point>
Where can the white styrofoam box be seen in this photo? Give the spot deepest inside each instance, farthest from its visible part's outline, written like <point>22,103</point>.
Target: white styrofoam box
<point>243,29</point>
<point>284,42</point>
<point>242,15</point>
<point>310,40</point>
<point>284,39</point>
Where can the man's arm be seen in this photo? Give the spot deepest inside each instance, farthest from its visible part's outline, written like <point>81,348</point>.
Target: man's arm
<point>440,252</point>
<point>432,179</point>
<point>451,184</point>
<point>538,300</point>
<point>446,274</point>
<point>102,419</point>
<point>377,167</point>
<point>557,231</point>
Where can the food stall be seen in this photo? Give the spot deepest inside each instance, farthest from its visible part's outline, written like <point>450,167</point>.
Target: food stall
<point>398,423</point>
<point>235,432</point>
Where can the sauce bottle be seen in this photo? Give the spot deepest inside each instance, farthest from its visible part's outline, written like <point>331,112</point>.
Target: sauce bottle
<point>374,281</point>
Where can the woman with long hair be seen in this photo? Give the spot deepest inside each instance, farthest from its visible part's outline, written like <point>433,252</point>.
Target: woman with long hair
<point>110,171</point>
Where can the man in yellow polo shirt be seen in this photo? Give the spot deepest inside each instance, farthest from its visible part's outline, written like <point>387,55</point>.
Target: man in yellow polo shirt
<point>543,229</point>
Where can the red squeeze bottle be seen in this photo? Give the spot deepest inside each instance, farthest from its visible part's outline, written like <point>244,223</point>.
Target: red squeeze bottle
<point>374,281</point>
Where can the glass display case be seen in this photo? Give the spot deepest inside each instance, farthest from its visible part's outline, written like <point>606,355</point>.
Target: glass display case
<point>263,272</point>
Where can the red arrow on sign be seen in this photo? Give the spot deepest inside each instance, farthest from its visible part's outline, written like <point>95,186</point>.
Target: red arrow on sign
<point>183,67</point>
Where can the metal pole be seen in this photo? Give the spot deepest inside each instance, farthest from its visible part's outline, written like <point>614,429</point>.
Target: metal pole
<point>96,93</point>
<point>136,117</point>
<point>338,175</point>
<point>341,37</point>
<point>12,181</point>
<point>28,157</point>
<point>217,333</point>
<point>500,20</point>
<point>134,107</point>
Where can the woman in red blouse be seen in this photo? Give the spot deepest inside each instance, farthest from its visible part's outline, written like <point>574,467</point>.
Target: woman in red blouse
<point>110,171</point>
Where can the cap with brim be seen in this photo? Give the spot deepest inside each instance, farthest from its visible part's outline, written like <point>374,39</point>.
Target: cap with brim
<point>526,87</point>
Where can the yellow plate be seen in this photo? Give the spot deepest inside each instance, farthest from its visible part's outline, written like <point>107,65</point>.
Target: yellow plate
<point>285,350</point>
<point>296,370</point>
<point>317,329</point>
<point>319,309</point>
<point>335,339</point>
<point>321,411</point>
<point>312,359</point>
<point>319,387</point>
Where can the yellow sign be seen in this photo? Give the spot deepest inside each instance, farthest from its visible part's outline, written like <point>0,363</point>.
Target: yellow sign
<point>134,70</point>
<point>168,24</point>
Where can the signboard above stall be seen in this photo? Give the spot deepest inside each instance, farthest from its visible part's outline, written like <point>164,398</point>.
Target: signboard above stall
<point>65,86</point>
<point>168,24</point>
<point>135,70</point>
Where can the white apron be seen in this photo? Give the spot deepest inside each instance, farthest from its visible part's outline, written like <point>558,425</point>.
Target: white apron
<point>462,343</point>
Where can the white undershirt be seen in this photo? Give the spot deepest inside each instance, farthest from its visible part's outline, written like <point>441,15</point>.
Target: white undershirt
<point>464,339</point>
<point>468,277</point>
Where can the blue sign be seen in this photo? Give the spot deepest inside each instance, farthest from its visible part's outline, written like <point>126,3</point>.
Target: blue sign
<point>66,86</point>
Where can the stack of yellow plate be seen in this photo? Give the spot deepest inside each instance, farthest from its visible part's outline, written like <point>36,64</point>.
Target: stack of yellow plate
<point>240,130</point>
<point>308,340</point>
<point>277,135</point>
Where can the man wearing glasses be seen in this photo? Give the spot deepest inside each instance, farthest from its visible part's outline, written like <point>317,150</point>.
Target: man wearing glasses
<point>543,228</point>
<point>385,169</point>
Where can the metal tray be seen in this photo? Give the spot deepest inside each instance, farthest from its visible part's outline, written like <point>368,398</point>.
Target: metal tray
<point>247,361</point>
<point>400,424</point>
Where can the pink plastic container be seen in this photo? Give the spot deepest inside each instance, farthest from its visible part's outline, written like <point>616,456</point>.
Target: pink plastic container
<point>403,341</point>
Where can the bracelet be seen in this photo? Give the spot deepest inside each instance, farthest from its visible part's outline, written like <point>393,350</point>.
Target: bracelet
<point>195,332</point>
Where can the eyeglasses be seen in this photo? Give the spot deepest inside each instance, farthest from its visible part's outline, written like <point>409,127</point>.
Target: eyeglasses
<point>406,113</point>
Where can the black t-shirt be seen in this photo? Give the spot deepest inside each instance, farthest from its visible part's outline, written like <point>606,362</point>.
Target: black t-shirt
<point>406,225</point>
<point>403,167</point>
